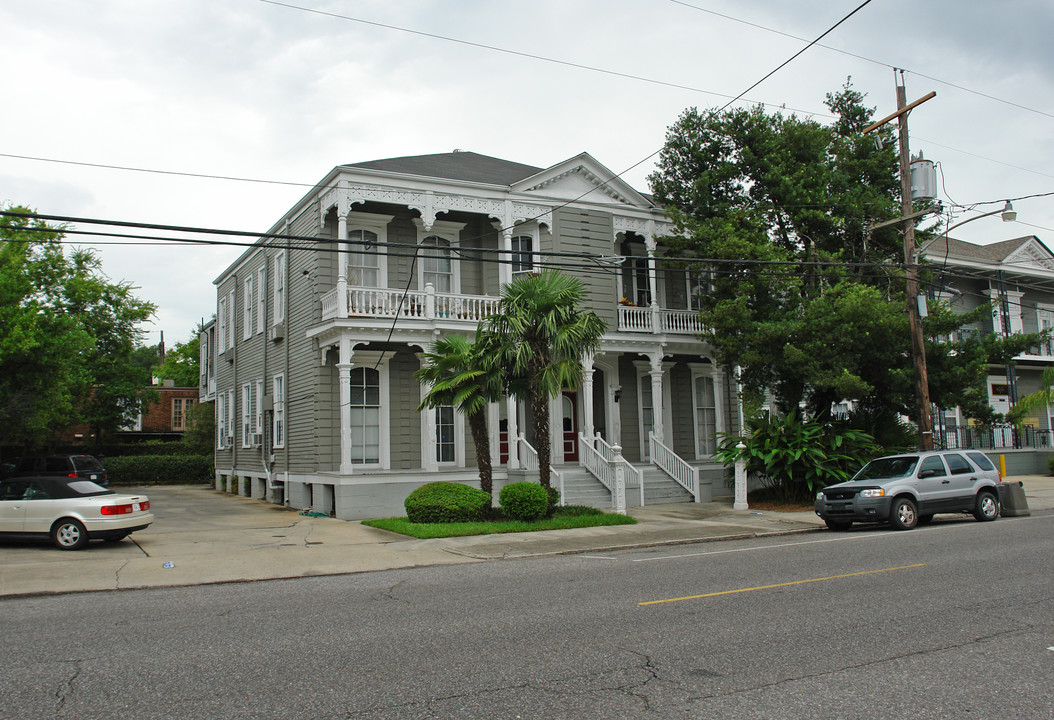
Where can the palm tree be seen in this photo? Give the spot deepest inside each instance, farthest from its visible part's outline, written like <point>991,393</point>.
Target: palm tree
<point>459,376</point>
<point>542,336</point>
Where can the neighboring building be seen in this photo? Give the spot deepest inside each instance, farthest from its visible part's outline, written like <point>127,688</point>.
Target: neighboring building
<point>311,357</point>
<point>1017,278</point>
<point>166,417</point>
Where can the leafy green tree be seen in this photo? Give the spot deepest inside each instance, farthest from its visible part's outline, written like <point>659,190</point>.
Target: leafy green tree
<point>461,376</point>
<point>182,363</point>
<point>67,335</point>
<point>540,335</point>
<point>803,296</point>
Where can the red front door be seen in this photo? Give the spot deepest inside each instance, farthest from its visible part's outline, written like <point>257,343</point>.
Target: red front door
<point>570,426</point>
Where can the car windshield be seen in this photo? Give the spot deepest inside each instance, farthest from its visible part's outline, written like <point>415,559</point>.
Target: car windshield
<point>891,467</point>
<point>86,463</point>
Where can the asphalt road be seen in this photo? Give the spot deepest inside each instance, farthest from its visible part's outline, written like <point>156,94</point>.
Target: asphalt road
<point>949,621</point>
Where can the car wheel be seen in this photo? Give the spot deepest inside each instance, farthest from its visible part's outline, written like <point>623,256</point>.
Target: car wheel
<point>925,519</point>
<point>838,525</point>
<point>903,514</point>
<point>987,507</point>
<point>69,534</point>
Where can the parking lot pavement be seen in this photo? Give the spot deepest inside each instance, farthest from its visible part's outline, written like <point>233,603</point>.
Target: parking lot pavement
<point>203,536</point>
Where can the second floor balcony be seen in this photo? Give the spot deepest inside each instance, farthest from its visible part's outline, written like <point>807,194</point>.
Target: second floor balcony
<point>455,309</point>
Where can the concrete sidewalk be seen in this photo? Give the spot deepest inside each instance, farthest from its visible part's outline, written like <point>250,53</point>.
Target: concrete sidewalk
<point>202,536</point>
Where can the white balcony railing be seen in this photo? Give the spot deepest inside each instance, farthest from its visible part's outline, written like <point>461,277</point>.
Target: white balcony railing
<point>654,319</point>
<point>424,304</point>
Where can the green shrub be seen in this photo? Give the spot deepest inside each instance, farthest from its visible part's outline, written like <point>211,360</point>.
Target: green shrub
<point>554,501</point>
<point>1050,464</point>
<point>158,469</point>
<point>796,457</point>
<point>524,501</point>
<point>446,502</point>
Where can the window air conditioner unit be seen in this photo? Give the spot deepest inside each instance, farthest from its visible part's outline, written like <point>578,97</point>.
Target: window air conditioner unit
<point>255,439</point>
<point>276,332</point>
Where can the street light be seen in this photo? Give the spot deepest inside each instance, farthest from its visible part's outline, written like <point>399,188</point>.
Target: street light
<point>1008,213</point>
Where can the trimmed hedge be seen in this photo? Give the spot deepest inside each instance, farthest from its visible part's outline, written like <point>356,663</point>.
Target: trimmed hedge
<point>524,501</point>
<point>159,469</point>
<point>446,502</point>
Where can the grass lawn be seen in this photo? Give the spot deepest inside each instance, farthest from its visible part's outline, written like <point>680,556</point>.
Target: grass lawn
<point>572,516</point>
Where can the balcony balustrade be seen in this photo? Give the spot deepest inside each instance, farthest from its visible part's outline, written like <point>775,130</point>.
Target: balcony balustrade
<point>430,305</point>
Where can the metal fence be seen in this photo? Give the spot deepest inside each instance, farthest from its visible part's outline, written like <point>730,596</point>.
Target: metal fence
<point>992,437</point>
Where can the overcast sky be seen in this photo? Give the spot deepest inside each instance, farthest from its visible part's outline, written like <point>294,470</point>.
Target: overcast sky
<point>283,92</point>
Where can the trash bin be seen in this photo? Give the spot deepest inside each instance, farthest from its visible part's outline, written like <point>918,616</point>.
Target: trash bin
<point>1014,502</point>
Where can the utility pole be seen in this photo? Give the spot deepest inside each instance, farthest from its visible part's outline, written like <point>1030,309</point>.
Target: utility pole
<point>918,346</point>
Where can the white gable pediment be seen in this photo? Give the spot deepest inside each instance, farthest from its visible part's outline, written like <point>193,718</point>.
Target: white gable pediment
<point>1032,254</point>
<point>582,177</point>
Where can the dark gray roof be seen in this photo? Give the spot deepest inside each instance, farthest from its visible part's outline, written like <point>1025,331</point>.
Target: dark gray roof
<point>996,252</point>
<point>465,166</point>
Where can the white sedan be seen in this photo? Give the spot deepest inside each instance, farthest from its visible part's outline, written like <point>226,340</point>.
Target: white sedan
<point>70,511</point>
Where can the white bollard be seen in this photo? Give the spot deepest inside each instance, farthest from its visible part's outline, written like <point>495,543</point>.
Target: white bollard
<point>740,502</point>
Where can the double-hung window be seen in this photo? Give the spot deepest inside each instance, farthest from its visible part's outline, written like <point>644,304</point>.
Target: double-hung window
<point>279,286</point>
<point>522,258</point>
<point>180,408</point>
<point>278,418</point>
<point>363,263</point>
<point>249,300</point>
<point>365,416</point>
<point>261,297</point>
<point>248,414</point>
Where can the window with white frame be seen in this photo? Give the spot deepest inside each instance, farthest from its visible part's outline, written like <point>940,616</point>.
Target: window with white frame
<point>221,420</point>
<point>647,412</point>
<point>259,409</point>
<point>180,409</point>
<point>249,300</point>
<point>363,261</point>
<point>229,340</point>
<point>705,416</point>
<point>639,290</point>
<point>248,414</point>
<point>230,418</point>
<point>261,298</point>
<point>437,258</point>
<point>445,444</point>
<point>221,324</point>
<point>698,285</point>
<point>1045,321</point>
<point>278,416</point>
<point>365,416</point>
<point>279,287</point>
<point>522,257</point>
<point>436,264</point>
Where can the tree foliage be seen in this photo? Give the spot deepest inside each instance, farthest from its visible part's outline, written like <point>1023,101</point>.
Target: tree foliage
<point>539,337</point>
<point>804,297</point>
<point>67,334</point>
<point>182,362</point>
<point>459,374</point>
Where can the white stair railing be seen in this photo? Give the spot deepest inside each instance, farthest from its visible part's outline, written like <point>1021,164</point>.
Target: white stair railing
<point>611,473</point>
<point>634,475</point>
<point>529,461</point>
<point>670,463</point>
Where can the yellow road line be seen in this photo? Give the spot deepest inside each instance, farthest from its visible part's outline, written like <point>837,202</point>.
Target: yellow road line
<point>777,585</point>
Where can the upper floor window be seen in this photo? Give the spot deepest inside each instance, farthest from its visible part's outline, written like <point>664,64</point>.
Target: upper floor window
<point>279,287</point>
<point>221,323</point>
<point>522,258</point>
<point>261,298</point>
<point>436,266</point>
<point>249,301</point>
<point>437,260</point>
<point>363,265</point>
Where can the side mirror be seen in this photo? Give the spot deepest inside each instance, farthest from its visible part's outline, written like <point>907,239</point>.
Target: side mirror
<point>926,473</point>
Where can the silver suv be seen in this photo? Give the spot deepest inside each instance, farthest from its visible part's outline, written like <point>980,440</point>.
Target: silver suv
<point>907,490</point>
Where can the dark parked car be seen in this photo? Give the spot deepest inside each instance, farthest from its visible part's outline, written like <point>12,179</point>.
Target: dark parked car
<point>85,467</point>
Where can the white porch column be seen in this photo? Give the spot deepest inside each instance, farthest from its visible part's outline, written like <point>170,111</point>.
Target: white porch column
<point>653,275</point>
<point>342,261</point>
<point>505,266</point>
<point>586,397</point>
<point>656,396</point>
<point>344,366</point>
<point>428,431</point>
<point>513,433</point>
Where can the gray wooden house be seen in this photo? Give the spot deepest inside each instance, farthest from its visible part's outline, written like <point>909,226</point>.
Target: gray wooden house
<point>321,324</point>
<point>1016,277</point>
